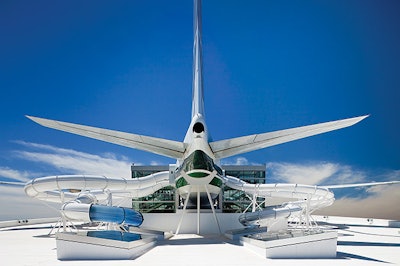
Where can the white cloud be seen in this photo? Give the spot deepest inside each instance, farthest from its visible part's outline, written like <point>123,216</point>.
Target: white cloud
<point>241,161</point>
<point>377,202</point>
<point>22,176</point>
<point>75,162</point>
<point>313,173</point>
<point>384,204</point>
<point>16,205</point>
<point>237,161</point>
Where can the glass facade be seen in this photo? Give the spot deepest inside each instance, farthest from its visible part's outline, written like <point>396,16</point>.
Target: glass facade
<point>235,200</point>
<point>162,201</point>
<point>165,200</point>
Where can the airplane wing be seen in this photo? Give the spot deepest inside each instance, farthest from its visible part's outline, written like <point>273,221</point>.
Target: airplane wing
<point>169,148</point>
<point>234,146</point>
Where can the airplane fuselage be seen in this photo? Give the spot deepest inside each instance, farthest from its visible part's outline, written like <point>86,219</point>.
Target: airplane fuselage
<point>198,171</point>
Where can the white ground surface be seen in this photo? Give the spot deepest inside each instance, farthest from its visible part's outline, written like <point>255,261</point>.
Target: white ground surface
<point>359,243</point>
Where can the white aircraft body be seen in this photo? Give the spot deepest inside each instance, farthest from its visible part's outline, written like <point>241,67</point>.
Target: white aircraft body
<point>197,177</point>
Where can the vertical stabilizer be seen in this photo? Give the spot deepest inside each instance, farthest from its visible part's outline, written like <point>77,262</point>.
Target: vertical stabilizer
<point>198,102</point>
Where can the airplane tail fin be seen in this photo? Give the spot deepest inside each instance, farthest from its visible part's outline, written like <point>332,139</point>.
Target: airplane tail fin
<point>197,97</point>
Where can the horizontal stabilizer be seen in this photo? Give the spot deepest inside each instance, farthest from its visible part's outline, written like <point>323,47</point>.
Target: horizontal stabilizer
<point>234,146</point>
<point>362,184</point>
<point>169,148</point>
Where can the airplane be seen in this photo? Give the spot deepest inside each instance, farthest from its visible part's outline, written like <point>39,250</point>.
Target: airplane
<point>197,175</point>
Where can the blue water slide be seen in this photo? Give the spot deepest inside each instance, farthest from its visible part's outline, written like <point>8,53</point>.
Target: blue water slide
<point>110,214</point>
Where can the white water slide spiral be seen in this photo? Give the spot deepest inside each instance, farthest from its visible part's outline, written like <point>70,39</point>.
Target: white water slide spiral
<point>315,197</point>
<point>61,188</point>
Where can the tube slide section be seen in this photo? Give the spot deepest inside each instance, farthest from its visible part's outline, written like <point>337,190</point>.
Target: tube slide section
<point>100,213</point>
<point>315,197</point>
<point>272,212</point>
<point>60,188</point>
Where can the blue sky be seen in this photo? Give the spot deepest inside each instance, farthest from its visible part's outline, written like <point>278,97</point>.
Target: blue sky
<point>268,65</point>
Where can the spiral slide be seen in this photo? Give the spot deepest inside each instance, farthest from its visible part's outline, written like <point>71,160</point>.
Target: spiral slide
<point>272,212</point>
<point>81,193</point>
<point>315,197</point>
<point>61,188</point>
<point>309,198</point>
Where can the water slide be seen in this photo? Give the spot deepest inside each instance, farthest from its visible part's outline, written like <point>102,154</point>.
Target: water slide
<point>270,213</point>
<point>62,188</point>
<point>84,212</point>
<point>306,199</point>
<point>81,193</point>
<point>317,196</point>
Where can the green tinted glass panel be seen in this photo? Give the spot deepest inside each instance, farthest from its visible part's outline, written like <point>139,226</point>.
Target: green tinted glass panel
<point>216,182</point>
<point>181,182</point>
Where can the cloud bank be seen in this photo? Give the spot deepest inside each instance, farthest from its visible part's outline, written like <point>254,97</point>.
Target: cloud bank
<point>69,161</point>
<point>369,202</point>
<point>22,176</point>
<point>384,204</point>
<point>315,173</point>
<point>15,205</point>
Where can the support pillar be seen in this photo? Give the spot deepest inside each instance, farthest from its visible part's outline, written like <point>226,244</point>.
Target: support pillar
<point>198,210</point>
<point>212,208</point>
<point>183,211</point>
